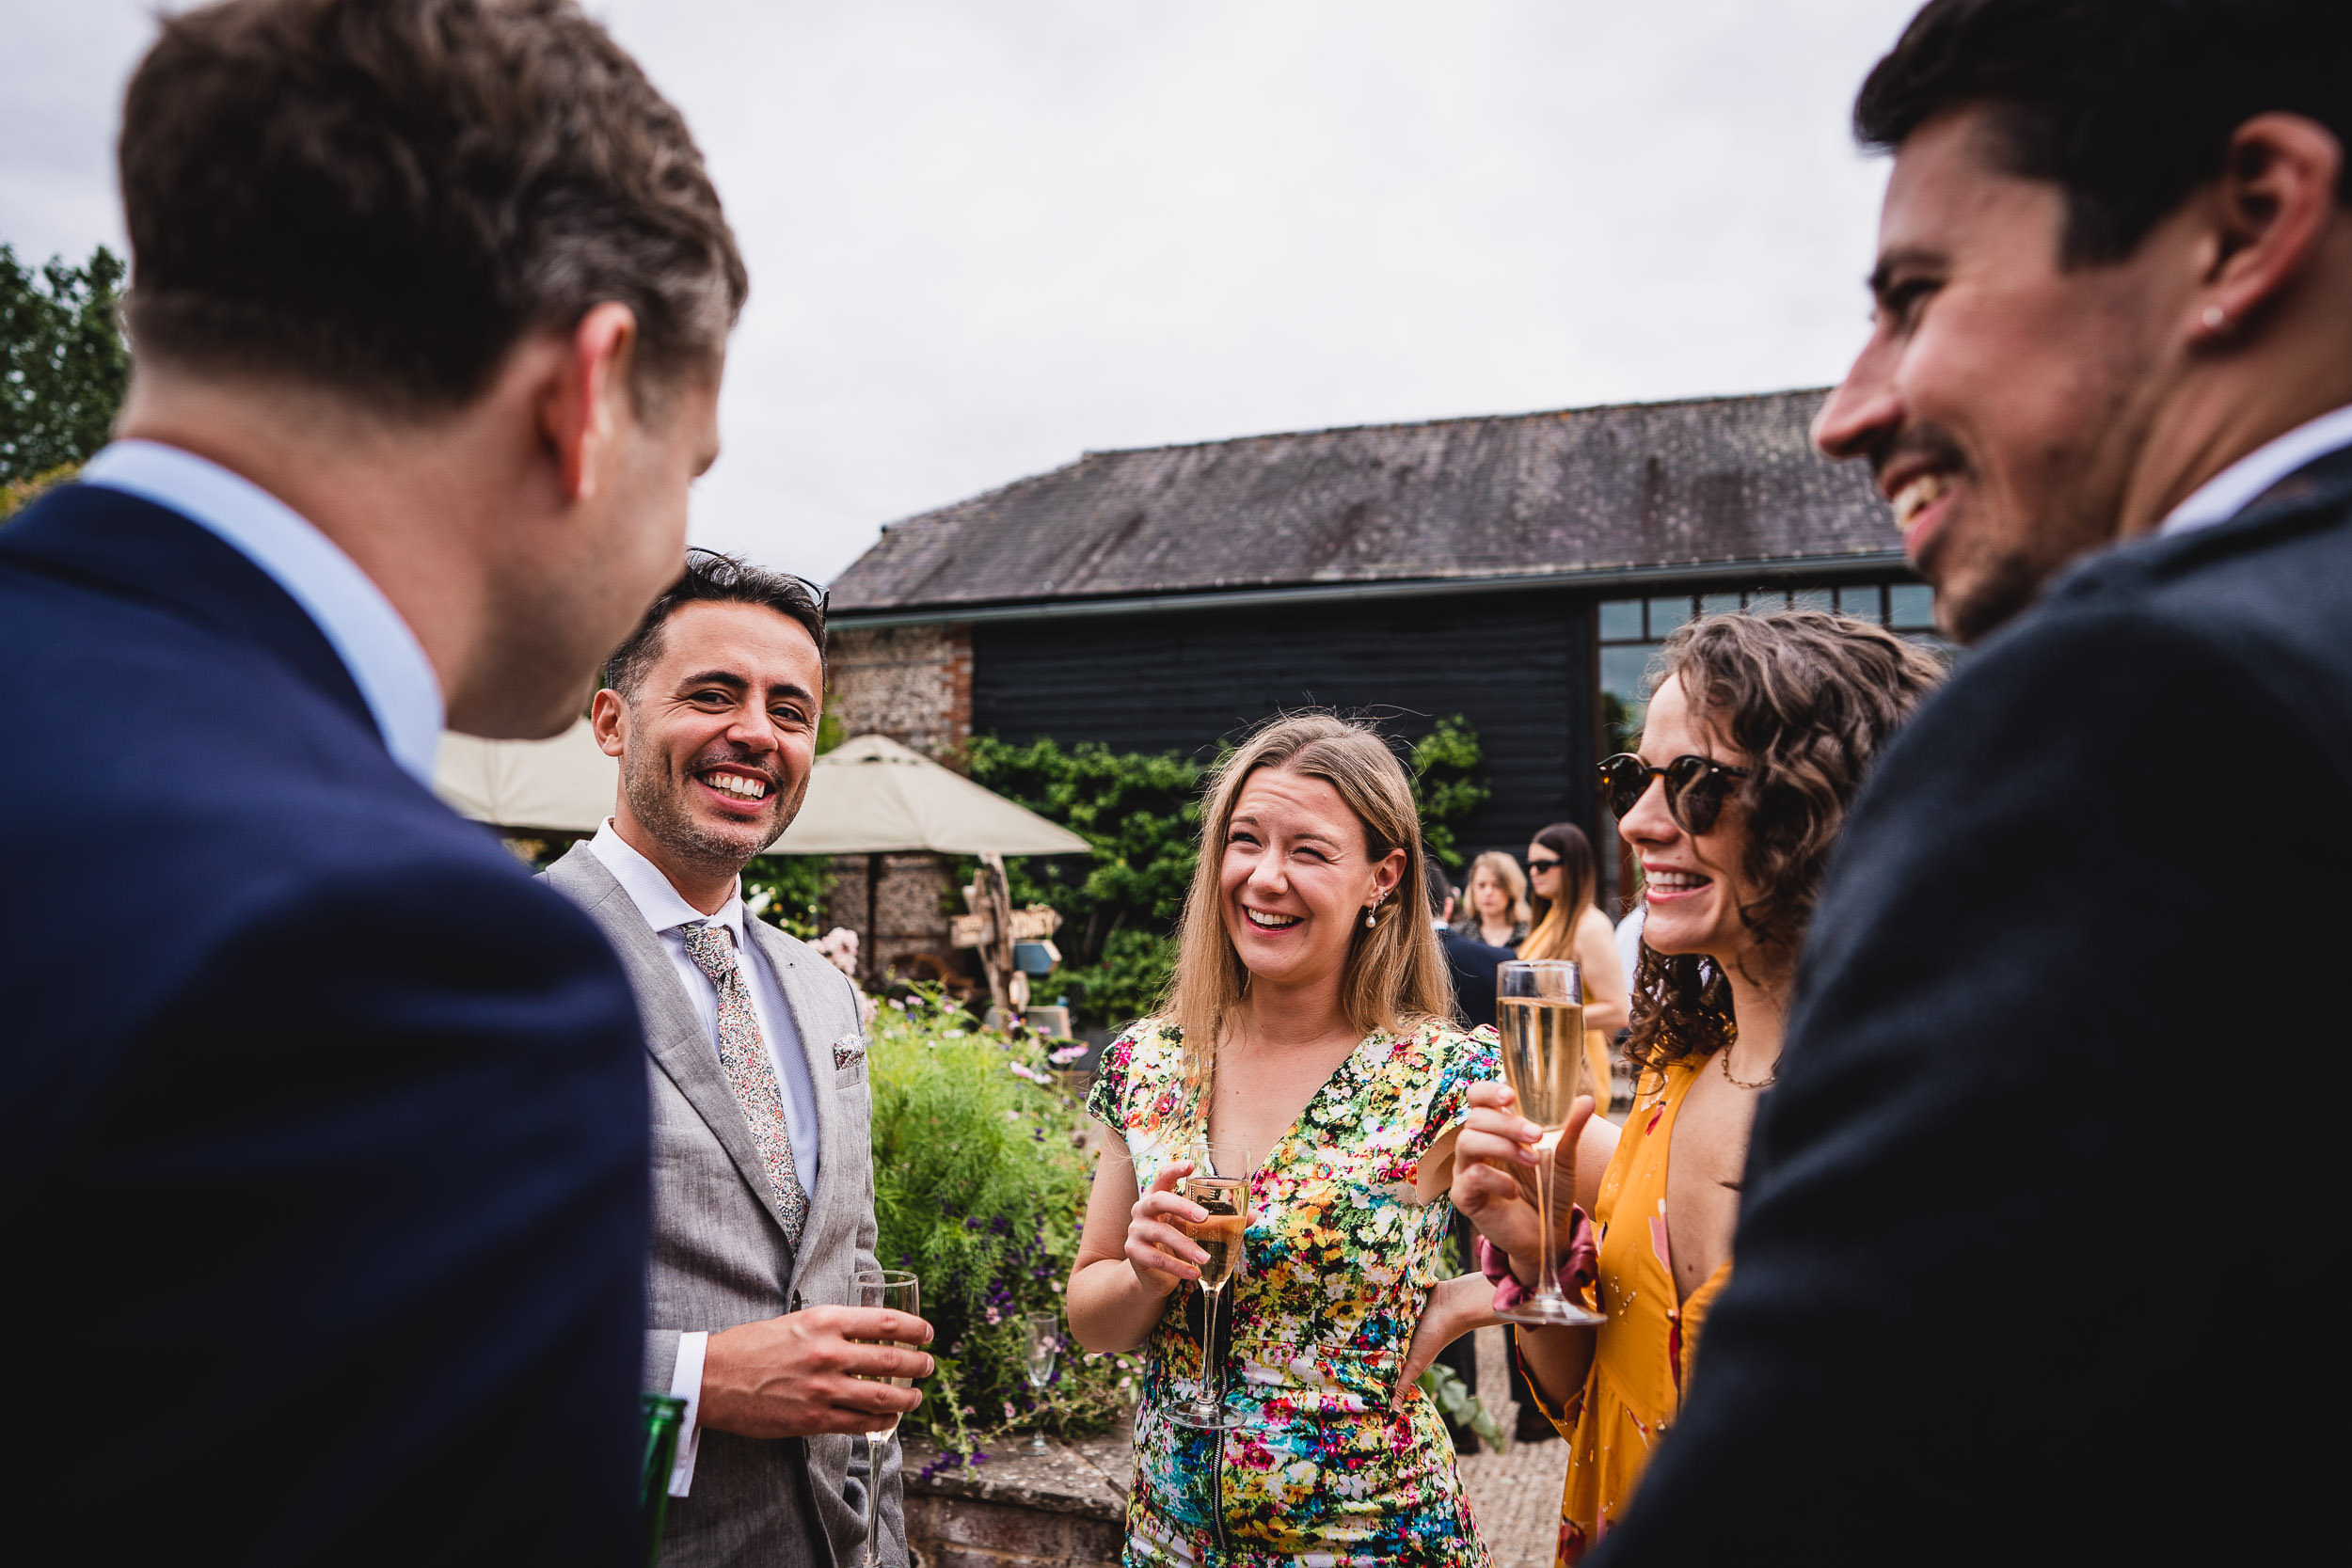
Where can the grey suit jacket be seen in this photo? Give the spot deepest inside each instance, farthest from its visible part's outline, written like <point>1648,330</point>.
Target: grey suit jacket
<point>720,1256</point>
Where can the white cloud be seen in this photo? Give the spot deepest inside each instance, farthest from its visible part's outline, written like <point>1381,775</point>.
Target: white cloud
<point>988,234</point>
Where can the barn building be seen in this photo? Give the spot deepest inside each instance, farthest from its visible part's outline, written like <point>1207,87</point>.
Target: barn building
<point>1517,570</point>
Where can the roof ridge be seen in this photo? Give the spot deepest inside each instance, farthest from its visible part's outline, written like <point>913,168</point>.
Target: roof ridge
<point>1442,419</point>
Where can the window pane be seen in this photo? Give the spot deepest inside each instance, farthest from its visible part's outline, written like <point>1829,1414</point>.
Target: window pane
<point>1814,598</point>
<point>1717,604</point>
<point>1666,614</point>
<point>1623,694</point>
<point>1910,606</point>
<point>1863,601</point>
<point>1621,621</point>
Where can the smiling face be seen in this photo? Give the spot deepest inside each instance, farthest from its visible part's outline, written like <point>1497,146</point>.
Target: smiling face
<point>1295,877</point>
<point>716,740</point>
<point>1694,887</point>
<point>2002,400</point>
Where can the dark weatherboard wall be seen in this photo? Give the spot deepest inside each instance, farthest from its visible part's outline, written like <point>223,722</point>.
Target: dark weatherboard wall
<point>1516,666</point>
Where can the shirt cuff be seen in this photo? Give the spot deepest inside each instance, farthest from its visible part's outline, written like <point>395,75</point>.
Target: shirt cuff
<point>685,1383</point>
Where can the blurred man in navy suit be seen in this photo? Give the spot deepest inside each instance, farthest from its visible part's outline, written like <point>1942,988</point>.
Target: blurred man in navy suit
<point>323,1128</point>
<point>2034,1168</point>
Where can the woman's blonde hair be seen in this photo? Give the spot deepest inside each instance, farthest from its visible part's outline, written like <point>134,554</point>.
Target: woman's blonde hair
<point>1508,877</point>
<point>1395,976</point>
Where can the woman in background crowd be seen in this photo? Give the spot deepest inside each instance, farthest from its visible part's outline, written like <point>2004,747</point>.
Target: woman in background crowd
<point>1566,874</point>
<point>1758,734</point>
<point>1497,893</point>
<point>1309,1023</point>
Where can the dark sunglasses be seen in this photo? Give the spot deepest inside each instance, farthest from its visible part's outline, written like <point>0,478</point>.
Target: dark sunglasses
<point>1696,787</point>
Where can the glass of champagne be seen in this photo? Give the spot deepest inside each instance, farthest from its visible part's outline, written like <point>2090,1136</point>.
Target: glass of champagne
<point>897,1291</point>
<point>1219,1183</point>
<point>1540,1007</point>
<point>1044,1330</point>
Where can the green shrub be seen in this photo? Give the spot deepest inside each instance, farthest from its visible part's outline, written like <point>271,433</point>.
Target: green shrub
<point>795,886</point>
<point>1141,814</point>
<point>981,1178</point>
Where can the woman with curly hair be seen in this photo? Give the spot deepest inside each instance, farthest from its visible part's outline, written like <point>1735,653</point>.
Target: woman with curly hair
<point>1308,1025</point>
<point>1759,731</point>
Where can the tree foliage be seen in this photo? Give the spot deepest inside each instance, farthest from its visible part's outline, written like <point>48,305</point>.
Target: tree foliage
<point>63,364</point>
<point>1119,906</point>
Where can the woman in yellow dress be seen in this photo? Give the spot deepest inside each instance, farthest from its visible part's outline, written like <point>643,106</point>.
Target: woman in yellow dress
<point>1759,730</point>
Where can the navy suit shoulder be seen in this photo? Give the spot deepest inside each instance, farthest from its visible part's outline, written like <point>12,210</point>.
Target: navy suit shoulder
<point>1472,965</point>
<point>308,1096</point>
<point>1989,1234</point>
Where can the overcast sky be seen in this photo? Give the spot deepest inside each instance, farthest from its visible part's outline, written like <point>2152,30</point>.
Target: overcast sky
<point>987,235</point>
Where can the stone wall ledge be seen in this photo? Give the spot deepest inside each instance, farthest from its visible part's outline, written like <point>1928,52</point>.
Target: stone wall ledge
<point>1065,1508</point>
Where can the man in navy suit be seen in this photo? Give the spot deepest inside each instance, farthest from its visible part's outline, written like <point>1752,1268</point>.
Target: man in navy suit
<point>322,1128</point>
<point>2036,1222</point>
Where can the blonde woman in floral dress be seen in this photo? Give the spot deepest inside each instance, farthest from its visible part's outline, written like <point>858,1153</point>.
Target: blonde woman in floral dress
<point>1305,1024</point>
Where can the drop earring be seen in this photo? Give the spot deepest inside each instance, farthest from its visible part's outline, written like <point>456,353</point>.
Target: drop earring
<point>1369,920</point>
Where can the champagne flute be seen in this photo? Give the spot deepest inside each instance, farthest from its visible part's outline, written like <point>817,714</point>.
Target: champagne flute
<point>1539,1003</point>
<point>1044,1330</point>
<point>1219,1183</point>
<point>896,1289</point>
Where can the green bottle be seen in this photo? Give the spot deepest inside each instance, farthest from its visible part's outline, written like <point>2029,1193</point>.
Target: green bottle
<point>665,1417</point>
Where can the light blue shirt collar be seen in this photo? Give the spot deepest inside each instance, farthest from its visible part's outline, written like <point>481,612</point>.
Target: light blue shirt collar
<point>648,887</point>
<point>2234,488</point>
<point>385,661</point>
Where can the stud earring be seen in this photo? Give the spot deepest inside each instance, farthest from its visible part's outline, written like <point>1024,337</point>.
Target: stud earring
<point>2216,321</point>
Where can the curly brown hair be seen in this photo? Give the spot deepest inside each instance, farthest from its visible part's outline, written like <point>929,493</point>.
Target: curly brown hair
<point>1812,698</point>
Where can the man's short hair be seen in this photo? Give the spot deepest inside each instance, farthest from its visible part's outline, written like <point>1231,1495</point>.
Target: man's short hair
<point>714,579</point>
<point>384,197</point>
<point>1440,888</point>
<point>2127,105</point>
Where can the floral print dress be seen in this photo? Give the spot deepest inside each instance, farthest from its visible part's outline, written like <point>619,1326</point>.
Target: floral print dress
<point>1328,1468</point>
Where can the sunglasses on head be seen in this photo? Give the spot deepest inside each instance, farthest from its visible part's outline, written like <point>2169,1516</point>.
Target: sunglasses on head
<point>1696,787</point>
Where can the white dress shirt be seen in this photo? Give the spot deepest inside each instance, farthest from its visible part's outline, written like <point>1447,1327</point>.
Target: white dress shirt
<point>385,661</point>
<point>2230,491</point>
<point>665,913</point>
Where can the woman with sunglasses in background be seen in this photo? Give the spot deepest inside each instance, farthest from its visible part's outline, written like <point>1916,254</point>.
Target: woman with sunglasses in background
<point>1561,868</point>
<point>1759,731</point>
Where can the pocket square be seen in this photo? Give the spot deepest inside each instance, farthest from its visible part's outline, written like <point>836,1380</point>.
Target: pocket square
<point>847,1051</point>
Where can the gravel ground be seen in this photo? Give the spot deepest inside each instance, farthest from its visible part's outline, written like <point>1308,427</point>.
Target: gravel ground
<point>1515,1495</point>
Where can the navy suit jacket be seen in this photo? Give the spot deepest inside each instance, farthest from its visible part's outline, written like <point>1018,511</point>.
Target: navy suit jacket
<point>1472,965</point>
<point>322,1128</point>
<point>2037,1226</point>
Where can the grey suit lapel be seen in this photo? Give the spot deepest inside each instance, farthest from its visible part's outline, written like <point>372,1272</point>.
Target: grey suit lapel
<point>799,981</point>
<point>675,1037</point>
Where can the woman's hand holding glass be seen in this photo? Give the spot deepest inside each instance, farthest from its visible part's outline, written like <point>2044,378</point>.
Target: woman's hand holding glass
<point>1162,1255</point>
<point>1494,1174</point>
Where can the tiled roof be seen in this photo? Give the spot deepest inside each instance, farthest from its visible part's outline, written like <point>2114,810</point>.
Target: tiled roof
<point>1658,484</point>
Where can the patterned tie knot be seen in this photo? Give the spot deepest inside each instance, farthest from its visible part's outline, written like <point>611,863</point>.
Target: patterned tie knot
<point>712,948</point>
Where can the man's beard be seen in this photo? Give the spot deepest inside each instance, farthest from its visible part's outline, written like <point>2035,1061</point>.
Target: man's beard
<point>653,799</point>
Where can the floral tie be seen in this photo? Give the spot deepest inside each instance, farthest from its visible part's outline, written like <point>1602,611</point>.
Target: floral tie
<point>750,1072</point>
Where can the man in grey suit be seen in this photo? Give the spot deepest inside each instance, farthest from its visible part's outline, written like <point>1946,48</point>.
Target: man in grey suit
<point>763,1190</point>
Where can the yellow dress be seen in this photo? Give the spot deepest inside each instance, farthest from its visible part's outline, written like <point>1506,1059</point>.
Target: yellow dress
<point>1642,1352</point>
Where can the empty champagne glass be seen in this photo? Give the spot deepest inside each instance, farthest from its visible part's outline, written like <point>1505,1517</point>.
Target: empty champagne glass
<point>896,1289</point>
<point>1539,1003</point>
<point>1219,1183</point>
<point>1044,1330</point>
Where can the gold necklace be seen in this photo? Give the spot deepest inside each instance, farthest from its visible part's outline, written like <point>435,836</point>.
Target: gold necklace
<point>1770,1078</point>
